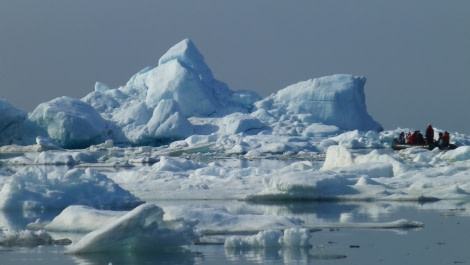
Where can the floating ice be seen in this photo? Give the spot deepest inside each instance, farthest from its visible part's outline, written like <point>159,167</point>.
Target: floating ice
<point>33,189</point>
<point>140,230</point>
<point>71,123</point>
<point>264,239</point>
<point>291,238</point>
<point>25,238</point>
<point>79,218</point>
<point>187,136</point>
<point>221,222</point>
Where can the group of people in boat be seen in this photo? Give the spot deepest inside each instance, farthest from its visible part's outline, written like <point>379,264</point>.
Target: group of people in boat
<point>416,138</point>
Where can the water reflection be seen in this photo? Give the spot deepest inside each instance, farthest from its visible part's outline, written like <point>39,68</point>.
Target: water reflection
<point>277,256</point>
<point>354,211</point>
<point>327,245</point>
<point>178,256</point>
<point>19,219</point>
<point>254,255</point>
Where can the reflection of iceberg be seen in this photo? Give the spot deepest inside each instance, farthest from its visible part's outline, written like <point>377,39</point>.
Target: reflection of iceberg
<point>316,212</point>
<point>174,256</point>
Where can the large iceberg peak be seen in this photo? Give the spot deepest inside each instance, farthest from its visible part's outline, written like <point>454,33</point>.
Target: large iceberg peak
<point>186,53</point>
<point>183,76</point>
<point>175,81</point>
<point>155,104</point>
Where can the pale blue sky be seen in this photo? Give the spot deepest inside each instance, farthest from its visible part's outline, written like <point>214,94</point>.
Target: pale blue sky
<point>415,54</point>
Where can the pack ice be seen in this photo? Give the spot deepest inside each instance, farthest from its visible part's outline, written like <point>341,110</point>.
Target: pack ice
<point>175,132</point>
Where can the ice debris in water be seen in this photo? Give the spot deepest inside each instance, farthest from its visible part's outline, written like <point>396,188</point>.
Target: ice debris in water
<point>291,238</point>
<point>28,238</point>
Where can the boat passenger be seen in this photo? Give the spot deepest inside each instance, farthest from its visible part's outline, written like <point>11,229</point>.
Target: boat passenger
<point>401,138</point>
<point>419,138</point>
<point>407,137</point>
<point>445,139</point>
<point>416,138</point>
<point>430,135</point>
<point>439,140</point>
<point>412,138</point>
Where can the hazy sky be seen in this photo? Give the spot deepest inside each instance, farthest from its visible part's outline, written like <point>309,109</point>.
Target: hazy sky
<point>415,54</point>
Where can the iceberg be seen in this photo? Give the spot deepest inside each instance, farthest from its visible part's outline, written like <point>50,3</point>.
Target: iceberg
<point>155,104</point>
<point>289,238</point>
<point>25,238</point>
<point>224,167</point>
<point>80,218</point>
<point>168,123</point>
<point>11,123</point>
<point>140,230</point>
<point>32,189</point>
<point>337,100</point>
<point>173,80</point>
<point>69,122</point>
<point>180,97</point>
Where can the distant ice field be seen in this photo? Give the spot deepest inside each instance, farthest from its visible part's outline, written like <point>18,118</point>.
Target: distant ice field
<point>174,160</point>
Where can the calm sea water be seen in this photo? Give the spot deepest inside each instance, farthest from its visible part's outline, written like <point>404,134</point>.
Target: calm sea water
<point>444,239</point>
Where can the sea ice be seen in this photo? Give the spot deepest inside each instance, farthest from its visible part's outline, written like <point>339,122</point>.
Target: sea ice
<point>181,134</point>
<point>34,189</point>
<point>289,238</point>
<point>140,230</point>
<point>71,123</point>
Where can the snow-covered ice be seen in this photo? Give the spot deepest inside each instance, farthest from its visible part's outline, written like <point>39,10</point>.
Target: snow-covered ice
<point>153,159</point>
<point>292,237</point>
<point>34,189</point>
<point>142,229</point>
<point>180,97</point>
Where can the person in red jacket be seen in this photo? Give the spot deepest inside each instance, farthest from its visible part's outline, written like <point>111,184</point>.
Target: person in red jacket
<point>416,138</point>
<point>412,138</point>
<point>430,135</point>
<point>446,139</point>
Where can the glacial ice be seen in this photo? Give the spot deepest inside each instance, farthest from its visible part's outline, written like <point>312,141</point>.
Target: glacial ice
<point>176,98</point>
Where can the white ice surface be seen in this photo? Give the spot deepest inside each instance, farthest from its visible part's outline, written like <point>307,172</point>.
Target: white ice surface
<point>180,97</point>
<point>207,169</point>
<point>175,133</point>
<point>142,229</point>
